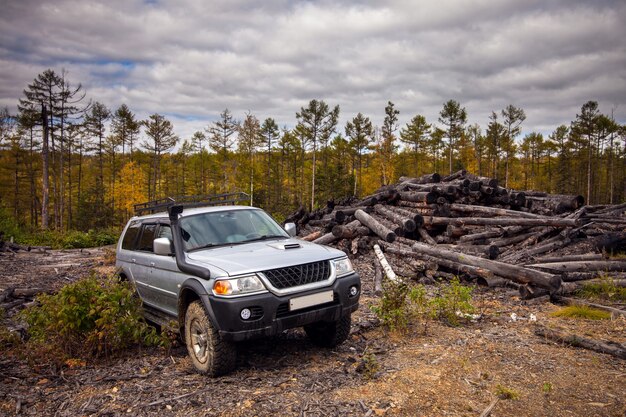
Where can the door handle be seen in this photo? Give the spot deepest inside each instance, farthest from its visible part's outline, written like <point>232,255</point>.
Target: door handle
<point>152,264</point>
<point>133,260</point>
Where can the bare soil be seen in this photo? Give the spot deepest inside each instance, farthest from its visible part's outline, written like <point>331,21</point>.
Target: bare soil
<point>431,370</point>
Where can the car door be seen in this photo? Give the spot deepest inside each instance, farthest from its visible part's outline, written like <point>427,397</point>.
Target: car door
<point>143,263</point>
<point>165,277</point>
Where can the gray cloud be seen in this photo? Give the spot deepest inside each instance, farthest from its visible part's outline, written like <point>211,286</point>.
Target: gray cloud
<point>191,59</point>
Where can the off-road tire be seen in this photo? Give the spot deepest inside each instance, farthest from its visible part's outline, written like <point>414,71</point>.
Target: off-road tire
<point>329,334</point>
<point>209,353</point>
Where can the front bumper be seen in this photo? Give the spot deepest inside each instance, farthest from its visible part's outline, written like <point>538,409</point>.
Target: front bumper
<point>271,313</point>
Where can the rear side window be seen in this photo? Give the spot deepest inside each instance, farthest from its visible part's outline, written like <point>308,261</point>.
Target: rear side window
<point>131,236</point>
<point>147,237</point>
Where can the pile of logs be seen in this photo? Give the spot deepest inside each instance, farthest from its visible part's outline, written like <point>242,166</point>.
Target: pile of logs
<point>434,227</point>
<point>13,297</point>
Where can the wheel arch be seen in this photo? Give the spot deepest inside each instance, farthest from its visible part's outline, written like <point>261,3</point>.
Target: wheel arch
<point>190,291</point>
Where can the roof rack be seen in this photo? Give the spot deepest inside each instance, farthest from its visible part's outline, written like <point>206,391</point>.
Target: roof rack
<point>162,204</point>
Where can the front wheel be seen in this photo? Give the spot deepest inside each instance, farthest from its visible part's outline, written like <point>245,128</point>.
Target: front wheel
<point>209,353</point>
<point>329,334</point>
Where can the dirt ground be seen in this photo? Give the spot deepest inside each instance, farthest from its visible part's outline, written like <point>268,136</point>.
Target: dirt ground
<point>434,371</point>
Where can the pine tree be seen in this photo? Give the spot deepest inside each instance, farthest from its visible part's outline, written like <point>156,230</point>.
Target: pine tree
<point>161,132</point>
<point>317,123</point>
<point>454,117</point>
<point>415,134</point>
<point>249,140</point>
<point>221,140</point>
<point>360,132</point>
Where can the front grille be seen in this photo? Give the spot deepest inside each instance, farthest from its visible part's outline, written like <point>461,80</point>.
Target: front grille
<point>293,276</point>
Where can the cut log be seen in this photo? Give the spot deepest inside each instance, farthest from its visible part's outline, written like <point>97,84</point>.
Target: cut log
<point>28,292</point>
<point>350,232</point>
<point>407,224</point>
<point>582,266</point>
<point>457,267</point>
<point>614,349</point>
<point>513,272</point>
<point>11,304</point>
<point>385,264</point>
<point>325,239</point>
<point>378,279</point>
<point>426,237</point>
<point>493,211</point>
<point>501,221</point>
<point>419,197</point>
<point>312,236</point>
<point>513,240</point>
<point>394,227</point>
<point>583,276</point>
<point>496,282</point>
<point>369,201</point>
<point>296,216</point>
<point>488,251</point>
<point>490,182</point>
<point>568,258</point>
<point>424,179</point>
<point>417,218</point>
<point>6,294</point>
<point>609,242</point>
<point>458,174</point>
<point>380,230</point>
<point>492,233</point>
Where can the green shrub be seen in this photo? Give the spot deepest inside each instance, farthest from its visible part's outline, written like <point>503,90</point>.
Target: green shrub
<point>506,393</point>
<point>606,289</point>
<point>8,226</point>
<point>370,366</point>
<point>453,300</point>
<point>394,310</point>
<point>72,239</point>
<point>89,318</point>
<point>402,303</point>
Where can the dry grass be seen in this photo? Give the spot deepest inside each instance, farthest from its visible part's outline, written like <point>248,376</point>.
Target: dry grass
<point>582,312</point>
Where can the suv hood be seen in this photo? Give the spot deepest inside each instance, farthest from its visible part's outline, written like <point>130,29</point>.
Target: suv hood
<point>263,255</point>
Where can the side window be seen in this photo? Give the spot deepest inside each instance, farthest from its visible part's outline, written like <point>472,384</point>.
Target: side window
<point>147,237</point>
<point>165,231</point>
<point>131,236</point>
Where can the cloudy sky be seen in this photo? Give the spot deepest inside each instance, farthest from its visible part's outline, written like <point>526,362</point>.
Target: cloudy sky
<point>191,59</point>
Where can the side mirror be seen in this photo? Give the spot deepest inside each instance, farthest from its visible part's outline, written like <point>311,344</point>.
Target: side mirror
<point>163,246</point>
<point>290,228</point>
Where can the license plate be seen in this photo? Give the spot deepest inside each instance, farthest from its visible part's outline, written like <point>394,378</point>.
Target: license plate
<point>310,300</point>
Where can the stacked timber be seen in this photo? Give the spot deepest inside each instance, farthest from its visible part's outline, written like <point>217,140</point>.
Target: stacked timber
<point>467,225</point>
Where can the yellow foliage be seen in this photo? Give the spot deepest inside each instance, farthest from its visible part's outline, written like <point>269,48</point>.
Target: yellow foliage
<point>129,187</point>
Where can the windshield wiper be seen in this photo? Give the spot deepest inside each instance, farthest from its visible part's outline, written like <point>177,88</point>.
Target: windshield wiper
<point>264,237</point>
<point>208,245</point>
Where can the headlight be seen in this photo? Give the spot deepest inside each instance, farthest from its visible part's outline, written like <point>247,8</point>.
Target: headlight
<point>343,266</point>
<point>238,286</point>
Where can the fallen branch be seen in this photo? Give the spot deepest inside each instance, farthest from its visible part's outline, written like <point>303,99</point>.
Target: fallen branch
<point>487,411</point>
<point>610,348</point>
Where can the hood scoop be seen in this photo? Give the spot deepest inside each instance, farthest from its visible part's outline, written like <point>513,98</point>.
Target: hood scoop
<point>285,246</point>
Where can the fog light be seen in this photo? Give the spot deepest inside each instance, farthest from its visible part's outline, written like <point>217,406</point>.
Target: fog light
<point>353,291</point>
<point>245,313</point>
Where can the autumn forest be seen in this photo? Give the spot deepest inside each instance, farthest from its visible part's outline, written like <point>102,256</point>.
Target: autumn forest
<point>71,163</point>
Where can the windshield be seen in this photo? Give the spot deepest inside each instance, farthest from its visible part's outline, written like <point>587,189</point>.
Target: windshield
<point>228,227</point>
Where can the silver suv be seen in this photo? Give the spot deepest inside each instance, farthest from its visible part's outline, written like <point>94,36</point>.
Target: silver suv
<point>231,273</point>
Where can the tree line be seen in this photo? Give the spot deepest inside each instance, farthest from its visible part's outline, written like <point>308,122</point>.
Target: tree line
<point>69,162</point>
